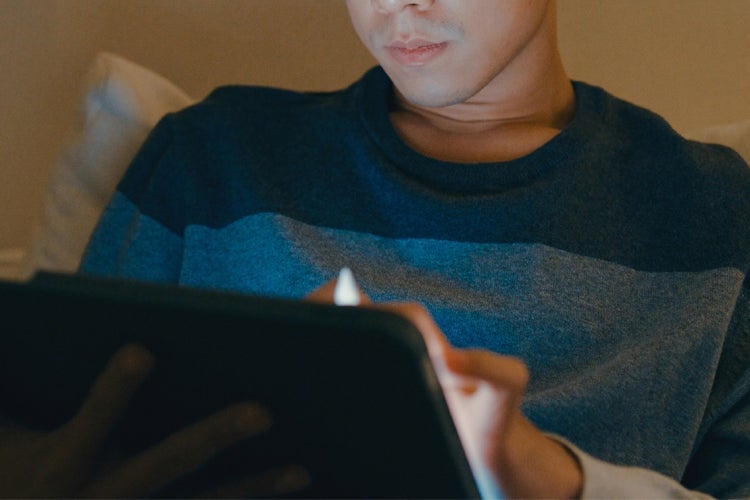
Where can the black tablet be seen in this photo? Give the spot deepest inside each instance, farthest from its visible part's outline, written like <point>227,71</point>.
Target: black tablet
<point>354,396</point>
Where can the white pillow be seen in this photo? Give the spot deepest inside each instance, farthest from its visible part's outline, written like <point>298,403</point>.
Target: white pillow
<point>735,135</point>
<point>121,102</point>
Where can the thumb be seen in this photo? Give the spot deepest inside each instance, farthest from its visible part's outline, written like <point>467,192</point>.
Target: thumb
<point>502,372</point>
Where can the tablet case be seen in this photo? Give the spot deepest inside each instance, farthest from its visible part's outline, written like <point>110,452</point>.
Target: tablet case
<point>353,394</point>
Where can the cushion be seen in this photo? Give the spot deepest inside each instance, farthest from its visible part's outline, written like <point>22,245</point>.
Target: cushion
<point>735,135</point>
<point>120,103</point>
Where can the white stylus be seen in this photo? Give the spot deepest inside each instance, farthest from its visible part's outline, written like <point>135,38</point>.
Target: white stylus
<point>346,292</point>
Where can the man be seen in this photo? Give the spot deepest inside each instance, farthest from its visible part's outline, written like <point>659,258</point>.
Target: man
<point>533,217</point>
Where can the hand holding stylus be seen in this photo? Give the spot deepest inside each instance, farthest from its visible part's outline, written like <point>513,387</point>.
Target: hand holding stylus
<point>508,454</point>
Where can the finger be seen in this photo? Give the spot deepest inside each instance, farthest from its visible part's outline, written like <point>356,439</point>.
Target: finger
<point>107,399</point>
<point>502,372</point>
<point>419,316</point>
<point>183,452</point>
<point>281,481</point>
<point>324,294</point>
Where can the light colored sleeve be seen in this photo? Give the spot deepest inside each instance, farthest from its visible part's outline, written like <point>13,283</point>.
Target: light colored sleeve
<point>605,480</point>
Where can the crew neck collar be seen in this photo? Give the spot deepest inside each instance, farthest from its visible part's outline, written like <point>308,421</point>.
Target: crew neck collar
<point>374,94</point>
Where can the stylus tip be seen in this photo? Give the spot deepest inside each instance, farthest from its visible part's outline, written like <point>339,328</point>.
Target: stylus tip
<point>346,292</point>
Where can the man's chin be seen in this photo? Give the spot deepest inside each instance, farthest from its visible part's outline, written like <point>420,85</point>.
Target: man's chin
<point>432,96</point>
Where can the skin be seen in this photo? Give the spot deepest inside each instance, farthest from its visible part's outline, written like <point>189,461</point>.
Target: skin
<point>497,91</point>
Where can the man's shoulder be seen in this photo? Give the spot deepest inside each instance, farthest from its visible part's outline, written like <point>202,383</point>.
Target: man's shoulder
<point>250,100</point>
<point>645,138</point>
<point>260,96</point>
<point>620,123</point>
<point>689,199</point>
<point>274,105</point>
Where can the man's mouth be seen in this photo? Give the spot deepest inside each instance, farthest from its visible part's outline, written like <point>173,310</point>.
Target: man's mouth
<point>416,52</point>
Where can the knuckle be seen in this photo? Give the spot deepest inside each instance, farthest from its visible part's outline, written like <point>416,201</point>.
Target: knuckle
<point>519,371</point>
<point>250,418</point>
<point>416,313</point>
<point>415,310</point>
<point>134,360</point>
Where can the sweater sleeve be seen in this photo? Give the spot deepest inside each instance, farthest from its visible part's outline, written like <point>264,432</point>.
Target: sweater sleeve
<point>605,480</point>
<point>136,237</point>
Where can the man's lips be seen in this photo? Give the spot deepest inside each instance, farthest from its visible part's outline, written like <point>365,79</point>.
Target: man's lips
<point>412,44</point>
<point>416,52</point>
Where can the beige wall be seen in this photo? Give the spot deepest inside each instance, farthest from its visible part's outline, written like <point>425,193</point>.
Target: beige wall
<point>687,59</point>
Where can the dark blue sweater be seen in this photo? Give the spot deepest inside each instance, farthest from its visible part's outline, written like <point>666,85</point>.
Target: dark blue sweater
<point>612,260</point>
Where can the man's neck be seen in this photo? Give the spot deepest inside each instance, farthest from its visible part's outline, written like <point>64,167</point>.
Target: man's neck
<point>507,120</point>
